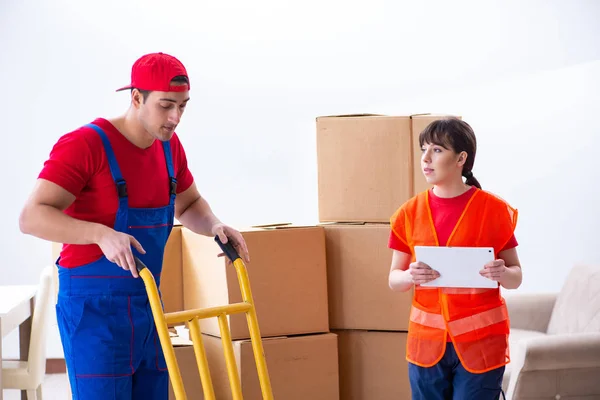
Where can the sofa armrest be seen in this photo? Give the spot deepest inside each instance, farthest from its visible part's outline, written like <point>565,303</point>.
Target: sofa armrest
<point>550,366</point>
<point>530,311</point>
<point>554,352</point>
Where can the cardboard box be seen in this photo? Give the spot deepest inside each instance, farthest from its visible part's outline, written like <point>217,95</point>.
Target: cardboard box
<point>358,266</point>
<point>368,165</point>
<point>364,167</point>
<point>300,368</point>
<point>171,280</point>
<point>288,279</point>
<point>373,365</point>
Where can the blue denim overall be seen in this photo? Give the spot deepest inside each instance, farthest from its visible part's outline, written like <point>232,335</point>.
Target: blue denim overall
<point>104,317</point>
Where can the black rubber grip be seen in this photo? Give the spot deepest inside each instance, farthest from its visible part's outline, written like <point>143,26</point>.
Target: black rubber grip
<point>228,249</point>
<point>139,264</point>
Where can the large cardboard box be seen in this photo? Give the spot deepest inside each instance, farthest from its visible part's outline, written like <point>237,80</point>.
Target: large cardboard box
<point>171,285</point>
<point>300,368</point>
<point>288,279</point>
<point>358,266</point>
<point>373,365</point>
<point>364,167</point>
<point>368,165</point>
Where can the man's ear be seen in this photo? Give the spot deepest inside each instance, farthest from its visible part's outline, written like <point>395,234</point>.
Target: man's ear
<point>136,98</point>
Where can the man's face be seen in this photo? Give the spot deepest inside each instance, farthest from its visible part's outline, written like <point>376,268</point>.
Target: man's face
<point>161,112</point>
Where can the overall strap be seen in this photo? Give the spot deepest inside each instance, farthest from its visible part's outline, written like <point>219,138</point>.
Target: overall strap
<point>114,166</point>
<point>170,170</point>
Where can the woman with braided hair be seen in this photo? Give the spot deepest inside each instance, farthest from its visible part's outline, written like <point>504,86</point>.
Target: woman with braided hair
<point>457,345</point>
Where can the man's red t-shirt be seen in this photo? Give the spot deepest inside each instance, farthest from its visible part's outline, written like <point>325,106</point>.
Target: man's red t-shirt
<point>78,164</point>
<point>445,213</point>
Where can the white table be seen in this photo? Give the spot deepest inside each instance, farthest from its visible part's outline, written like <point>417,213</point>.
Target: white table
<point>16,309</point>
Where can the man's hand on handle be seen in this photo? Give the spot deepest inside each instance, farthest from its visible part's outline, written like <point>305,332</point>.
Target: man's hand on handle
<point>116,247</point>
<point>226,233</point>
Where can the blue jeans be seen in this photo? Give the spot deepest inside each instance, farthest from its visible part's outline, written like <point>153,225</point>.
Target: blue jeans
<point>448,380</point>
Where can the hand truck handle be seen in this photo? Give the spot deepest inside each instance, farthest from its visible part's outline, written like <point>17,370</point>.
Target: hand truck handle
<point>228,249</point>
<point>139,264</point>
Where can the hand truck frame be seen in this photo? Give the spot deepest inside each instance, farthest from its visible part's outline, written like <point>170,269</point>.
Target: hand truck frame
<point>192,318</point>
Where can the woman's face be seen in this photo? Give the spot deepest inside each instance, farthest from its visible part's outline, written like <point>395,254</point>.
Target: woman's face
<point>441,165</point>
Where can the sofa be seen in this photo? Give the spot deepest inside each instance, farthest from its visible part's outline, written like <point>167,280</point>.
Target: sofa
<point>555,341</point>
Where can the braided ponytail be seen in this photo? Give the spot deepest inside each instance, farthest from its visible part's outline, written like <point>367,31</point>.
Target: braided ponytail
<point>471,180</point>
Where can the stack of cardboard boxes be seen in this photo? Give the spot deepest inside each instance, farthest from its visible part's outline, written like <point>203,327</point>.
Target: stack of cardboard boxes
<point>331,327</point>
<point>368,165</point>
<point>288,277</point>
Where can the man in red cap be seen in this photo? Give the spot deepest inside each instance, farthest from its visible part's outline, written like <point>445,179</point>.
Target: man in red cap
<point>110,191</point>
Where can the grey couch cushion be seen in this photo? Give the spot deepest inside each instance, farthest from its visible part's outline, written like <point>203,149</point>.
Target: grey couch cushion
<point>577,307</point>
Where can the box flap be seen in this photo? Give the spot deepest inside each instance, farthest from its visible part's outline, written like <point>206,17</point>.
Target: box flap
<point>272,225</point>
<point>264,339</point>
<point>410,115</point>
<point>285,225</point>
<point>352,115</point>
<point>327,223</point>
<point>433,115</point>
<point>353,223</point>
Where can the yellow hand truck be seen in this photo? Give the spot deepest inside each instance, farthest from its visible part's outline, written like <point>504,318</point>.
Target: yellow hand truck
<point>192,317</point>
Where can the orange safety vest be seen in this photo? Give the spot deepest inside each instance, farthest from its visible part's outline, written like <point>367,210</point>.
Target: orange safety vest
<point>475,319</point>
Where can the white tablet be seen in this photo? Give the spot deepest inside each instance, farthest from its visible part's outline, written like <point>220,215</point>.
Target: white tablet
<point>458,266</point>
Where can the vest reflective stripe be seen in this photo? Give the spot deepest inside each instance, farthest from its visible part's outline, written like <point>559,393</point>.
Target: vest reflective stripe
<point>453,290</point>
<point>464,290</point>
<point>427,319</point>
<point>478,321</point>
<point>459,326</point>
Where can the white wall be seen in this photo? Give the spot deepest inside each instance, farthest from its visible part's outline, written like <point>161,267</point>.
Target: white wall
<point>524,74</point>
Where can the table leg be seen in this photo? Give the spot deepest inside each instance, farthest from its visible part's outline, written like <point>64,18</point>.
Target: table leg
<point>24,340</point>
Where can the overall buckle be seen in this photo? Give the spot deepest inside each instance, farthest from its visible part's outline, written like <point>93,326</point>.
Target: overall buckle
<point>121,188</point>
<point>173,186</point>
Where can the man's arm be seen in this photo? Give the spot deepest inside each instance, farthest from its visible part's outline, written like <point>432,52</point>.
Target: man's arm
<point>194,212</point>
<point>43,217</point>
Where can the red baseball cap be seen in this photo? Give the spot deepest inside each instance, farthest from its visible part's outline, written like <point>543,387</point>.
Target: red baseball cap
<point>155,71</point>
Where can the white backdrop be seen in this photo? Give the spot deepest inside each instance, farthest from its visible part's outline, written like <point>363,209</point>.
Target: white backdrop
<point>526,75</point>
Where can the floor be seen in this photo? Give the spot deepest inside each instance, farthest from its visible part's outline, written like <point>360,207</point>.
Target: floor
<point>55,387</point>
